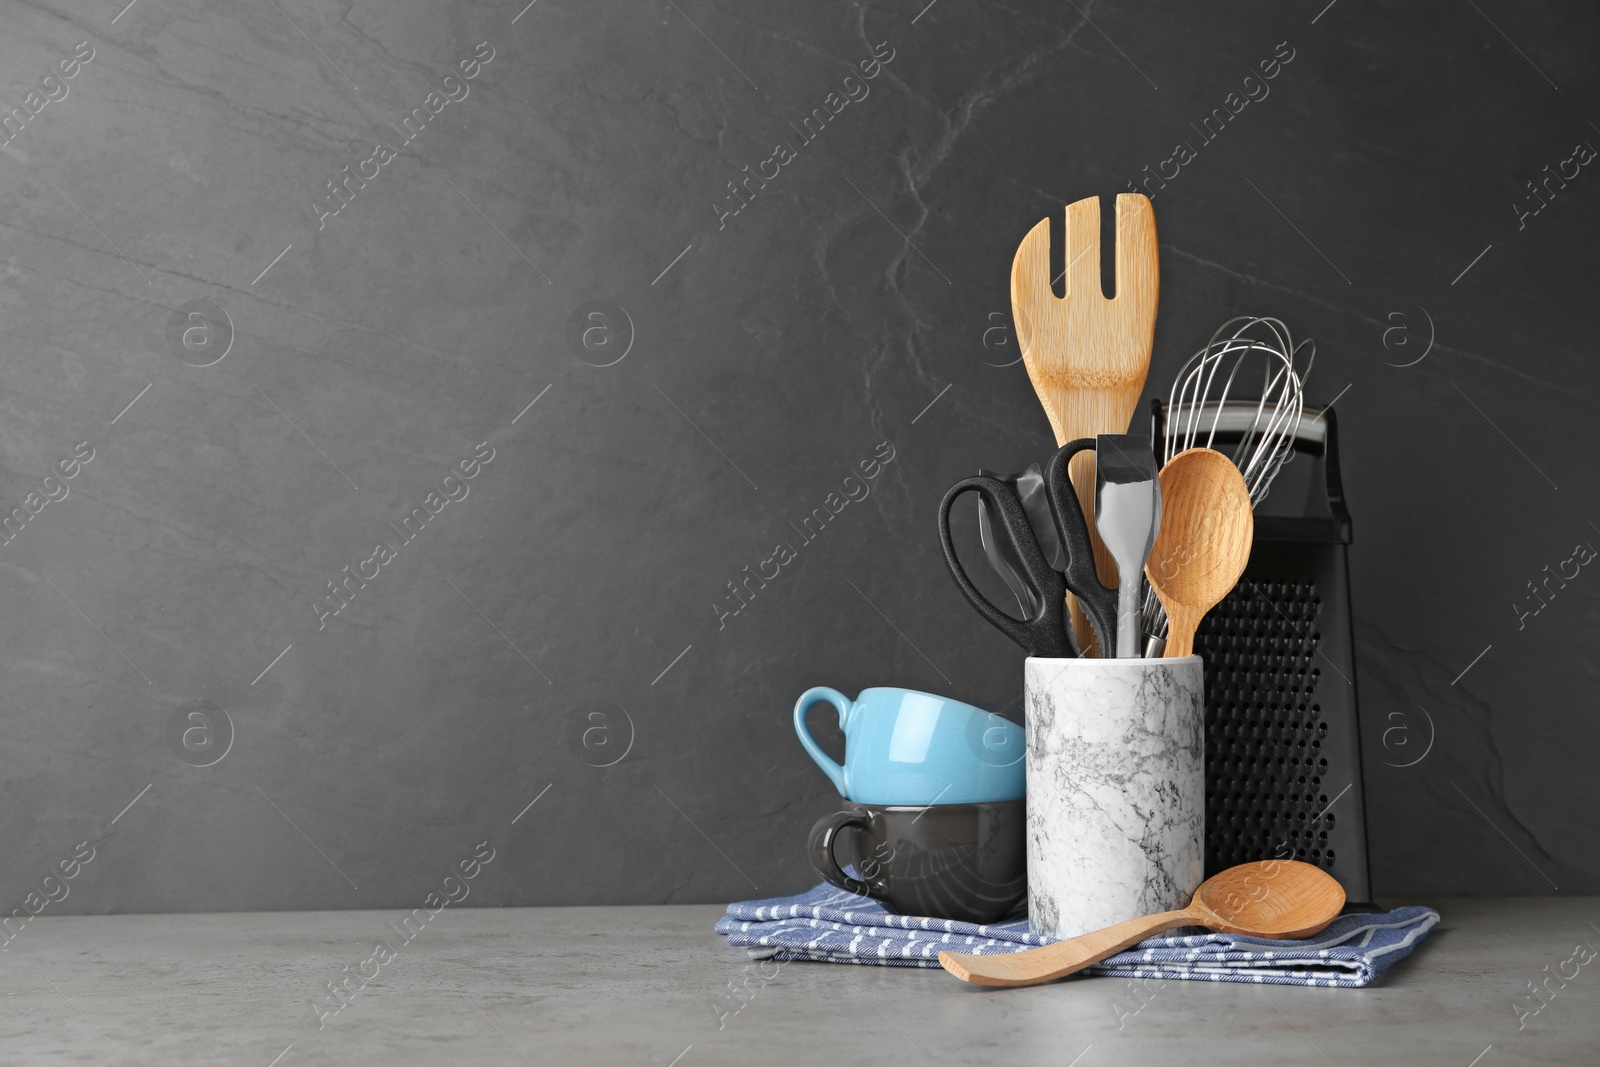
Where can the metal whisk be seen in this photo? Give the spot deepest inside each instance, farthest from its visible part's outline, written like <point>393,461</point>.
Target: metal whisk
<point>1267,425</point>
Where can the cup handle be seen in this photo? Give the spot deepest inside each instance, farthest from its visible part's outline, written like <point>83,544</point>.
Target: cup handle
<point>841,702</point>
<point>820,845</point>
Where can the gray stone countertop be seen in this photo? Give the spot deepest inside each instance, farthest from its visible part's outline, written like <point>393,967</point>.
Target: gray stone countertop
<point>651,985</point>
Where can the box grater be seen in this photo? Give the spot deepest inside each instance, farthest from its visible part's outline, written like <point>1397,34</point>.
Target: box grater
<point>1283,744</point>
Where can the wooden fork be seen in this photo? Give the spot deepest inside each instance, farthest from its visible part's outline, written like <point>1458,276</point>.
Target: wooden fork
<point>1088,356</point>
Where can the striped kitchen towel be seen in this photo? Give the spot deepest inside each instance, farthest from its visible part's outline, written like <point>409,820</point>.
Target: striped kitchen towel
<point>835,926</point>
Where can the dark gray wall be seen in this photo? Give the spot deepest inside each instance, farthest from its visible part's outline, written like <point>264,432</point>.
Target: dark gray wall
<point>771,352</point>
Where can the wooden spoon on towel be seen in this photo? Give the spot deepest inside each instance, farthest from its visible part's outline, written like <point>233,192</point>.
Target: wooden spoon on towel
<point>1277,899</point>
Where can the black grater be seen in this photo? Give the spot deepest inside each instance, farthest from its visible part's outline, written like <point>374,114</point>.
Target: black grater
<point>1283,744</point>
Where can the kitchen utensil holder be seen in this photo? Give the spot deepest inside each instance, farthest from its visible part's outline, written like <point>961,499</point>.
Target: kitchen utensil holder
<point>1116,789</point>
<point>1282,734</point>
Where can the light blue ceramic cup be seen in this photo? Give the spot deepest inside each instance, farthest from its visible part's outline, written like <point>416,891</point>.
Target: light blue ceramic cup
<point>905,747</point>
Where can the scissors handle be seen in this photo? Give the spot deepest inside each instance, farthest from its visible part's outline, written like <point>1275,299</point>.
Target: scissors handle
<point>1044,634</point>
<point>1079,574</point>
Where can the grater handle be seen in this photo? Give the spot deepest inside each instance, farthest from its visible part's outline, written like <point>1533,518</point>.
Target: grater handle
<point>1316,436</point>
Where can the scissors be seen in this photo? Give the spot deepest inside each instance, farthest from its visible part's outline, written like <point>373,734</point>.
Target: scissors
<point>1044,634</point>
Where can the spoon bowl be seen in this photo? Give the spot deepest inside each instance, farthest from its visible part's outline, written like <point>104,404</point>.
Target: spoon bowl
<point>1278,899</point>
<point>1275,899</point>
<point>1207,527</point>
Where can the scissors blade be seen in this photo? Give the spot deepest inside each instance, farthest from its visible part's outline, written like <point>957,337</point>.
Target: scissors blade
<point>1002,557</point>
<point>1099,601</point>
<point>1036,503</point>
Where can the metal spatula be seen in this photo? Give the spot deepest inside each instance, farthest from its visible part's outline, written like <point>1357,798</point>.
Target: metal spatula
<point>1127,513</point>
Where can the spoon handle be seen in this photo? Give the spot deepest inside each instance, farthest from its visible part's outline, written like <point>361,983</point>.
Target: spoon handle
<point>1181,626</point>
<point>1046,964</point>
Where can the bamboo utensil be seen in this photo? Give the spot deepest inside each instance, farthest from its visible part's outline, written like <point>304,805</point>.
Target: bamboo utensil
<point>1088,356</point>
<point>1276,899</point>
<point>1207,527</point>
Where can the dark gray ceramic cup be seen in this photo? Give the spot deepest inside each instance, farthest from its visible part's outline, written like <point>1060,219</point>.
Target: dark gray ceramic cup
<point>949,861</point>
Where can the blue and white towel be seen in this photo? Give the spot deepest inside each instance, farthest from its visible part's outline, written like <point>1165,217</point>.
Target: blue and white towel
<point>834,926</point>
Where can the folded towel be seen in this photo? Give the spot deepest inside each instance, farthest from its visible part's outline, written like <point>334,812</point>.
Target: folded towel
<point>835,926</point>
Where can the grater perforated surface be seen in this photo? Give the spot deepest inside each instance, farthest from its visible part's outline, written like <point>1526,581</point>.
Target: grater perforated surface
<point>1265,768</point>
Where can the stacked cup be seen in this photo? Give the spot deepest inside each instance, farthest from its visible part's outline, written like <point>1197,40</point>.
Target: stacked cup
<point>935,822</point>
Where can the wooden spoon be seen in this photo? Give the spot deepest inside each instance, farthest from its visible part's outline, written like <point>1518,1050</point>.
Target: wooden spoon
<point>1207,527</point>
<point>1277,899</point>
<point>1088,356</point>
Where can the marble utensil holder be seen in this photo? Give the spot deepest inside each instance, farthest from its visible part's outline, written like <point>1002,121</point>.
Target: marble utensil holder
<point>1116,790</point>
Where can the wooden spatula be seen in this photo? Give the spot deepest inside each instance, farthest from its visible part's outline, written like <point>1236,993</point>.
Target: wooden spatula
<point>1275,899</point>
<point>1088,356</point>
